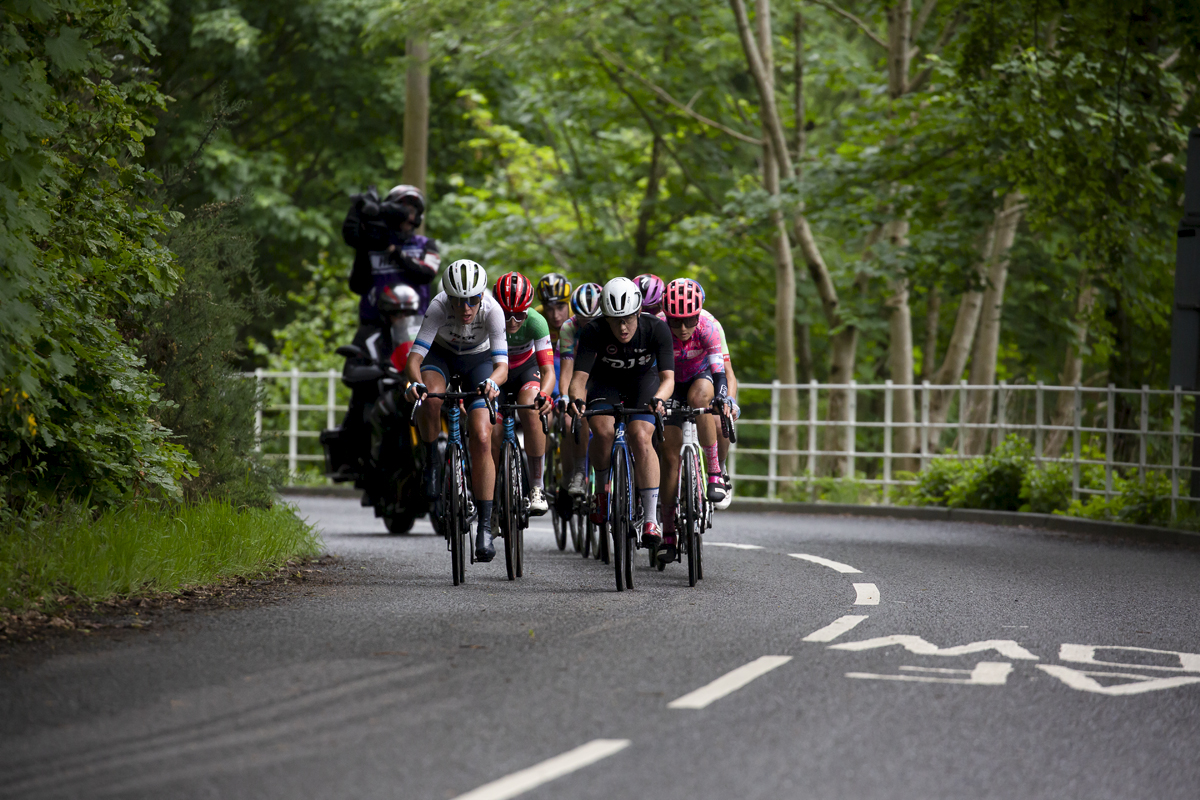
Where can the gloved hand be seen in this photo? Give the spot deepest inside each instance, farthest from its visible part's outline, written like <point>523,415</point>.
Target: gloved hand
<point>416,391</point>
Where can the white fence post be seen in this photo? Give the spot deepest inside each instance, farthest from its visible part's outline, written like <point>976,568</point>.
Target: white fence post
<point>1037,425</point>
<point>293,423</point>
<point>962,418</point>
<point>852,419</point>
<point>1001,412</point>
<point>773,441</point>
<point>331,400</point>
<point>1175,426</point>
<point>887,441</point>
<point>1144,426</point>
<point>1077,433</point>
<point>924,424</point>
<point>1110,418</point>
<point>258,410</point>
<point>813,400</point>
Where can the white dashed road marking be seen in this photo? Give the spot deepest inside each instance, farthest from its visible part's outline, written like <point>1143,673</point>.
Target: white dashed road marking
<point>729,682</point>
<point>550,769</point>
<point>734,545</point>
<point>835,628</point>
<point>986,673</point>
<point>825,562</point>
<point>868,594</point>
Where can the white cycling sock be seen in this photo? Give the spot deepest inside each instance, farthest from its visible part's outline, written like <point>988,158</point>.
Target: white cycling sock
<point>650,505</point>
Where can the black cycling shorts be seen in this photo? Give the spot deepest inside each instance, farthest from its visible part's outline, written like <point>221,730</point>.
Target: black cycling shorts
<point>680,395</point>
<point>518,378</point>
<point>636,392</point>
<point>472,368</point>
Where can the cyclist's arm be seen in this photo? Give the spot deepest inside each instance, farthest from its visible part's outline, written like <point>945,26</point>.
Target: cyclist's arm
<point>666,384</point>
<point>566,371</point>
<point>498,337</point>
<point>578,389</point>
<point>731,379</point>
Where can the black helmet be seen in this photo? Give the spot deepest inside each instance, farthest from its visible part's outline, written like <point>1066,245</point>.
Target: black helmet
<point>554,288</point>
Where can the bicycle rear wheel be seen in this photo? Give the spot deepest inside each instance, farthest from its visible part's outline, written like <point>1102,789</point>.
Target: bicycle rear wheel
<point>504,495</point>
<point>521,503</point>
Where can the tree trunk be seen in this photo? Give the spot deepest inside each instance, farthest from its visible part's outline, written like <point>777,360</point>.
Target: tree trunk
<point>641,236</point>
<point>933,311</point>
<point>804,361</point>
<point>416,116</point>
<point>1064,409</point>
<point>785,269</point>
<point>987,339</point>
<point>900,354</point>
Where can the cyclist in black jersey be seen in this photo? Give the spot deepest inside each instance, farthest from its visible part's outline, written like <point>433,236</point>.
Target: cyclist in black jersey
<point>625,356</point>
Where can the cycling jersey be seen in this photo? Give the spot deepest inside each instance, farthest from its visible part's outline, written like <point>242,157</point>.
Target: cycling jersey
<point>532,337</point>
<point>700,353</point>
<point>443,325</point>
<point>567,335</point>
<point>705,314</point>
<point>649,351</point>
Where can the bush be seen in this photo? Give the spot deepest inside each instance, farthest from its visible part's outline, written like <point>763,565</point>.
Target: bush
<point>1135,501</point>
<point>993,483</point>
<point>933,483</point>
<point>1047,490</point>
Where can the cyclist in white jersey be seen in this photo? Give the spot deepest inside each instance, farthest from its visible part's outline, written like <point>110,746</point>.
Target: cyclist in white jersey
<point>462,335</point>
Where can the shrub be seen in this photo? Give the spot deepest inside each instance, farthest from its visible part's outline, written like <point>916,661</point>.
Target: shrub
<point>1135,501</point>
<point>993,483</point>
<point>933,483</point>
<point>1047,490</point>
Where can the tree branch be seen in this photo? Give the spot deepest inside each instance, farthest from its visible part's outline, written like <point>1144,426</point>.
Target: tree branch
<point>944,37</point>
<point>616,61</point>
<point>874,37</point>
<point>922,17</point>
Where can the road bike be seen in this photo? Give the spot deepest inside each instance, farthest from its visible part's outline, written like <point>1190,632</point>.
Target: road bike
<point>512,490</point>
<point>694,511</point>
<point>454,506</point>
<point>622,499</point>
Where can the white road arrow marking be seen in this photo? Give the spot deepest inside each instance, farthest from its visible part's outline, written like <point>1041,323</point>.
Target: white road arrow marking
<point>550,769</point>
<point>1085,682</point>
<point>825,562</point>
<point>835,628</point>
<point>1086,654</point>
<point>868,594</point>
<point>986,673</point>
<point>729,682</point>
<point>915,644</point>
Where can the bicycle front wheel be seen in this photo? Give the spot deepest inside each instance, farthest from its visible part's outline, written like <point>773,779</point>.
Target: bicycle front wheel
<point>620,520</point>
<point>691,521</point>
<point>453,506</point>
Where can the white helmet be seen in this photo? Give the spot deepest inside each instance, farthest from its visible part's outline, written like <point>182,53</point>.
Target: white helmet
<point>464,278</point>
<point>620,298</point>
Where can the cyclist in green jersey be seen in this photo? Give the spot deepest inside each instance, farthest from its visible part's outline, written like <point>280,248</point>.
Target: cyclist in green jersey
<point>530,375</point>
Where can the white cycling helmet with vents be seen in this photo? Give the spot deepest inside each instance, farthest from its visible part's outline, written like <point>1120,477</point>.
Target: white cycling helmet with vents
<point>464,278</point>
<point>620,298</point>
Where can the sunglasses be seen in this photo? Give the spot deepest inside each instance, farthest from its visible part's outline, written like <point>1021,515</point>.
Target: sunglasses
<point>466,302</point>
<point>516,316</point>
<point>681,322</point>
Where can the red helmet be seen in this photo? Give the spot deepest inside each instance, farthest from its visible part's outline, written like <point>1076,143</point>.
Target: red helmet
<point>513,292</point>
<point>683,298</point>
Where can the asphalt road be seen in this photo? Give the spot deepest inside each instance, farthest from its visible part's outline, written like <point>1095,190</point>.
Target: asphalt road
<point>957,661</point>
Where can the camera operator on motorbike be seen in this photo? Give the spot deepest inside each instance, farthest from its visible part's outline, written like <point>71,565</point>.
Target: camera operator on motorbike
<point>387,253</point>
<point>462,335</point>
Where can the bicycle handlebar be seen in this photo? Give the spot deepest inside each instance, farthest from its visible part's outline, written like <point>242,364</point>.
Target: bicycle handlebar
<point>617,411</point>
<point>454,397</point>
<point>690,415</point>
<point>509,407</point>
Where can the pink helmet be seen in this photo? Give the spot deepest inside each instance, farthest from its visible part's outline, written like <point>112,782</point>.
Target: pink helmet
<point>683,298</point>
<point>652,289</point>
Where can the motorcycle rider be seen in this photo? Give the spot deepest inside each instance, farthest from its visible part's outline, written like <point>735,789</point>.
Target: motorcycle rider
<point>388,252</point>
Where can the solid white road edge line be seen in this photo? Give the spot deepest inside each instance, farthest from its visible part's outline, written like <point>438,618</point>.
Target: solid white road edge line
<point>729,682</point>
<point>825,562</point>
<point>868,594</point>
<point>835,628</point>
<point>735,545</point>
<point>550,769</point>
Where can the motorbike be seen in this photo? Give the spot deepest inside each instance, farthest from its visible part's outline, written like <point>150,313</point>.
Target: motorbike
<point>390,476</point>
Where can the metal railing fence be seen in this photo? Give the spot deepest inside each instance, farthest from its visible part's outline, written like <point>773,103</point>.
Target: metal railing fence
<point>1111,429</point>
<point>1114,430</point>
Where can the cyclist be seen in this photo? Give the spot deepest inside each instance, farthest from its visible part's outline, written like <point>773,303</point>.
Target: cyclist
<point>462,335</point>
<point>735,410</point>
<point>627,357</point>
<point>554,292</point>
<point>530,375</point>
<point>585,302</point>
<point>700,368</point>
<point>652,288</point>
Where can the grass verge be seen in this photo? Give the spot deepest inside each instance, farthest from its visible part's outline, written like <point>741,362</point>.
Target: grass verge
<point>73,555</point>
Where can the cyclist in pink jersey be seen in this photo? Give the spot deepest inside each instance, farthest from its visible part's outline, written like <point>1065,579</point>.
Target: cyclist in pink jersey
<point>700,378</point>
